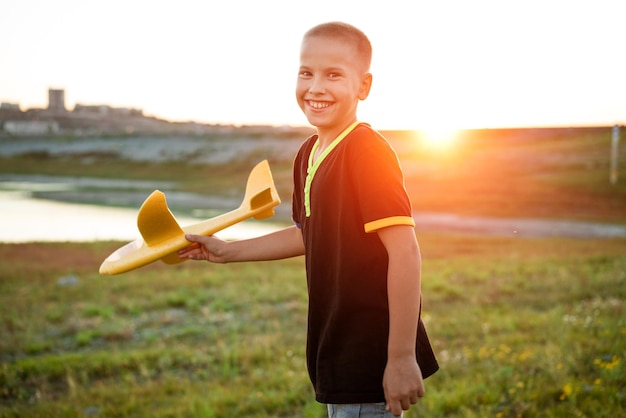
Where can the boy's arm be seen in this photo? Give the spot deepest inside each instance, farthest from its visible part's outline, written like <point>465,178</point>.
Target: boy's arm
<point>402,382</point>
<point>283,243</point>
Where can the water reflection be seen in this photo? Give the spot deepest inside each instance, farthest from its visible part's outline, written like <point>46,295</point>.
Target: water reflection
<point>26,219</point>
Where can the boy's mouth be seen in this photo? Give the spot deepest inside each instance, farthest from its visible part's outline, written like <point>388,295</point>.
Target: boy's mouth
<point>318,105</point>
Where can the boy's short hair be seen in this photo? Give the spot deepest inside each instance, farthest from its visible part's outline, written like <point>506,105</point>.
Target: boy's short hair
<point>347,33</point>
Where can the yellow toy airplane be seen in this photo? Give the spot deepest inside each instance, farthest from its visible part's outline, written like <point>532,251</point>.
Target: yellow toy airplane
<point>162,237</point>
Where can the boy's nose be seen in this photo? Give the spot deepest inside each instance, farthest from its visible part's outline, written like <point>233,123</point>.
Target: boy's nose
<point>317,86</point>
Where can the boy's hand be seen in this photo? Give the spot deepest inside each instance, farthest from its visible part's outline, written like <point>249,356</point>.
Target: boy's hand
<point>403,384</point>
<point>202,248</point>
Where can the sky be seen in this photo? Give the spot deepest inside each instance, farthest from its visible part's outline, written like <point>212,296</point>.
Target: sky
<point>437,64</point>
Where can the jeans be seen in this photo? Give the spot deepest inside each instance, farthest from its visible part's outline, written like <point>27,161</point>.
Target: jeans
<point>359,410</point>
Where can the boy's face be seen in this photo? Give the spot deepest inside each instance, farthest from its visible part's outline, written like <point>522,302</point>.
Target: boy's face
<point>331,81</point>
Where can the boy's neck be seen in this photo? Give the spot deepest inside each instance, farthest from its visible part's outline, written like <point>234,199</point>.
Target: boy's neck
<point>327,136</point>
<point>324,144</point>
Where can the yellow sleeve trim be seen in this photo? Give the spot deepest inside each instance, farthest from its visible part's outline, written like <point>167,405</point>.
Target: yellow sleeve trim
<point>394,220</point>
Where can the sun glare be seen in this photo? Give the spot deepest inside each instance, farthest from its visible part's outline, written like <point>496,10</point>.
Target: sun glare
<point>440,138</point>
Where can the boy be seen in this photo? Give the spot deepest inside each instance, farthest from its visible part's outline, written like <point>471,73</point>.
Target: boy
<point>367,349</point>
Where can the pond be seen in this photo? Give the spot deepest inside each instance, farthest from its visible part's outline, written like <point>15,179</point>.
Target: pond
<point>27,218</point>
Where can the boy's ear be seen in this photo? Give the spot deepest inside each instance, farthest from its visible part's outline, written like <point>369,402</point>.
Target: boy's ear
<point>366,85</point>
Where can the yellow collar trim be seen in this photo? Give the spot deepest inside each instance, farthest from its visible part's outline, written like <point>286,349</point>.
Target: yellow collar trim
<point>314,164</point>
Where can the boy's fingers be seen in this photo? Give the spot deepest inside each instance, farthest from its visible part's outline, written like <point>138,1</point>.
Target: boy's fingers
<point>192,238</point>
<point>395,408</point>
<point>196,241</point>
<point>190,247</point>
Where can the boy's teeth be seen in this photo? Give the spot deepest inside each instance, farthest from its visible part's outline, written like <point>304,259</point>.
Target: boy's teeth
<point>318,105</point>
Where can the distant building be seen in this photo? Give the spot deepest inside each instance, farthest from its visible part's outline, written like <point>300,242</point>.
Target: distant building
<point>106,110</point>
<point>56,100</point>
<point>9,106</point>
<point>88,120</point>
<point>31,127</point>
<point>91,109</point>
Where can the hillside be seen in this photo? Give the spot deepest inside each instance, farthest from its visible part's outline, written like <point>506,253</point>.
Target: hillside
<point>519,173</point>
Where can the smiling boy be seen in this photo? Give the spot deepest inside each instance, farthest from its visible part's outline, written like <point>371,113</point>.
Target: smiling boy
<point>367,348</point>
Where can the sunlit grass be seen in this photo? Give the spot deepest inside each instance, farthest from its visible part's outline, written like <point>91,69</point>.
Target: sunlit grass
<point>522,327</point>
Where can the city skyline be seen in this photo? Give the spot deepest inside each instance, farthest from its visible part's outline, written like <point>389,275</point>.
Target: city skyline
<point>451,64</point>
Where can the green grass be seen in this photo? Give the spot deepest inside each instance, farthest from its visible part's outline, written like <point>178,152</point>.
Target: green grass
<point>522,327</point>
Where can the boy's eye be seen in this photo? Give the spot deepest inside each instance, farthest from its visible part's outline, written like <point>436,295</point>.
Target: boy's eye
<point>333,75</point>
<point>304,73</point>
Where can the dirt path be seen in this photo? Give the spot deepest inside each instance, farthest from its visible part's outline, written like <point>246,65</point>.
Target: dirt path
<point>522,227</point>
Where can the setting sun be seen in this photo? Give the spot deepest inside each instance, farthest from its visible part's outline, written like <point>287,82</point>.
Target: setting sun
<point>441,137</point>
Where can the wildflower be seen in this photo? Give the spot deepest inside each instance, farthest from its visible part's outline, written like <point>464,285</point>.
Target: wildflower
<point>525,355</point>
<point>566,391</point>
<point>484,352</point>
<point>613,363</point>
<point>608,364</point>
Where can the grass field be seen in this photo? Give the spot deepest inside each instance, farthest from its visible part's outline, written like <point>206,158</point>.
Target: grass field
<point>523,327</point>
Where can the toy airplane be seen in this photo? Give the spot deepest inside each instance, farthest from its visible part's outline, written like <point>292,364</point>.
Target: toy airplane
<point>162,237</point>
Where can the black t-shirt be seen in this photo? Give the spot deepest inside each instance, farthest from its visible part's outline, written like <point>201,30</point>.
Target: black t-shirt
<point>356,189</point>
